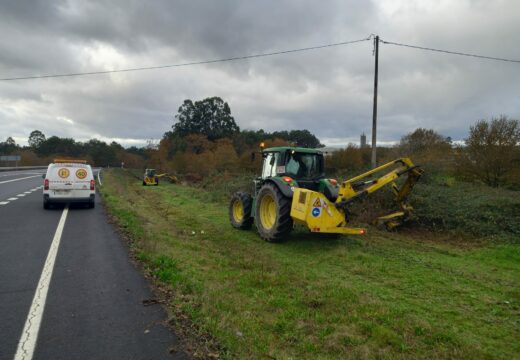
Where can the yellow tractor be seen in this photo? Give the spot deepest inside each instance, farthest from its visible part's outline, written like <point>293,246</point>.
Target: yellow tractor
<point>152,178</point>
<point>293,189</point>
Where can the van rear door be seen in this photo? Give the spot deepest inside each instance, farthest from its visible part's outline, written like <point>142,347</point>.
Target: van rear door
<point>60,180</point>
<point>81,180</point>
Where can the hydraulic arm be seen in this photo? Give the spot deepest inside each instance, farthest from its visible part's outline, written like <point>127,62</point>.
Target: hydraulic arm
<point>321,214</point>
<point>358,188</point>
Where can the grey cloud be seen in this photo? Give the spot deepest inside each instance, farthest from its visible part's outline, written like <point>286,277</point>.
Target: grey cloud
<point>327,91</point>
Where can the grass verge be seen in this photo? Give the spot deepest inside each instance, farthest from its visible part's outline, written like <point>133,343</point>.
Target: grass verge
<point>379,296</point>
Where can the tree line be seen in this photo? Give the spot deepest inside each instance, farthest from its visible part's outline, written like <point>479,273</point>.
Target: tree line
<point>205,139</point>
<point>490,154</point>
<point>42,150</point>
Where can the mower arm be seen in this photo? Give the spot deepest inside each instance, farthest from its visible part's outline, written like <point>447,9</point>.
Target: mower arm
<point>359,187</point>
<point>171,178</point>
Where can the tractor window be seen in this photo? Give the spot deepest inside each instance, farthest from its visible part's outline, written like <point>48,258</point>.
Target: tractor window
<point>270,163</point>
<point>304,166</point>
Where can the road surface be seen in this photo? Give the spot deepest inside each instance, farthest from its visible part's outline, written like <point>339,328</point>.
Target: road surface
<point>67,287</point>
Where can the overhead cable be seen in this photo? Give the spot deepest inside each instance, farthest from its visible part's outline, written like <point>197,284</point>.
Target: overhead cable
<point>450,52</point>
<point>188,63</point>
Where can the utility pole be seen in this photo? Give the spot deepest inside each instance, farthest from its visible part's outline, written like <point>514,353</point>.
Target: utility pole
<point>374,111</point>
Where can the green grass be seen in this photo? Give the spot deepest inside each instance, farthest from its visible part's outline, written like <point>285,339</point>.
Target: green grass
<point>385,295</point>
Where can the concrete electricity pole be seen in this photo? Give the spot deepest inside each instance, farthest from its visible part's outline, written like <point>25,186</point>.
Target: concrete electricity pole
<point>374,111</point>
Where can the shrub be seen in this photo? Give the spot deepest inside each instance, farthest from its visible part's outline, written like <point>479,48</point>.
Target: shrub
<point>469,208</point>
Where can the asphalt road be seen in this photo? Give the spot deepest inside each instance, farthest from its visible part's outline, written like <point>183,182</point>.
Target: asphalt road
<point>93,305</point>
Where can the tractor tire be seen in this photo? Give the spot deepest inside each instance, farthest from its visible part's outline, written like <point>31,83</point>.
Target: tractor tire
<point>240,208</point>
<point>144,183</point>
<point>273,214</point>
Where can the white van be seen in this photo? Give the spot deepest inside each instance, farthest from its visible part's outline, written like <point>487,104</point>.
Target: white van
<point>69,181</point>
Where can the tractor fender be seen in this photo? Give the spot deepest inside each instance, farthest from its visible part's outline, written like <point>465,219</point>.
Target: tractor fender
<point>282,186</point>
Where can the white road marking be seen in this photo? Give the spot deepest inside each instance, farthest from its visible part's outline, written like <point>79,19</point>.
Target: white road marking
<point>99,178</point>
<point>28,177</point>
<point>17,196</point>
<point>27,342</point>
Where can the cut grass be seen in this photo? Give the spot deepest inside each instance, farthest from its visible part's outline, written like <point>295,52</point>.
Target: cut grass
<point>379,296</point>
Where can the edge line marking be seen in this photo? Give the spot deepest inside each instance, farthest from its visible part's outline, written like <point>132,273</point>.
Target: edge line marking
<point>27,343</point>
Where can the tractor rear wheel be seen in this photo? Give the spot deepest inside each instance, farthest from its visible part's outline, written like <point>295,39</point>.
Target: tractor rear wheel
<point>240,210</point>
<point>273,214</point>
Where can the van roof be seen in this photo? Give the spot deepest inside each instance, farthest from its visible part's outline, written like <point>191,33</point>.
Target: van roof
<point>69,161</point>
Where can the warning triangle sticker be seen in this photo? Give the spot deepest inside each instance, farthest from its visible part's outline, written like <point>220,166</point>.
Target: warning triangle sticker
<point>317,203</point>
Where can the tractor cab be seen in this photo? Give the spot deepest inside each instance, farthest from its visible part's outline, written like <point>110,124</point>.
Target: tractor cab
<point>290,167</point>
<point>298,163</point>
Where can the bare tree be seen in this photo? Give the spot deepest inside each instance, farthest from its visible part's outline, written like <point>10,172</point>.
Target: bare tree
<point>492,150</point>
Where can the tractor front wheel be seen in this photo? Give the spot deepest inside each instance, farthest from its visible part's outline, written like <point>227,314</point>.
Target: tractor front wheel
<point>240,210</point>
<point>273,214</point>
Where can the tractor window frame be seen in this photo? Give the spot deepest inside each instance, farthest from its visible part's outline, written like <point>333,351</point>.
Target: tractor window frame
<point>268,169</point>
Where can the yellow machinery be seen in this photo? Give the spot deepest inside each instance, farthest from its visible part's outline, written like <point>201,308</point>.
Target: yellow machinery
<point>320,214</point>
<point>152,178</point>
<point>293,189</point>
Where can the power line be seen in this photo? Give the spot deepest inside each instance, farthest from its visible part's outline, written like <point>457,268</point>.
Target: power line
<point>189,63</point>
<point>450,52</point>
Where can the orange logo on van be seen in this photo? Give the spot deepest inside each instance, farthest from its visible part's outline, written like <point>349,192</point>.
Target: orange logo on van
<point>81,173</point>
<point>63,173</point>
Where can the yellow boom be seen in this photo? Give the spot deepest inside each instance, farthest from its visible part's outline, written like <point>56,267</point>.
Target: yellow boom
<point>319,214</point>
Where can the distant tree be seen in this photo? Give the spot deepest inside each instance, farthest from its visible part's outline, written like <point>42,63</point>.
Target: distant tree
<point>10,142</point>
<point>36,138</point>
<point>225,155</point>
<point>429,149</point>
<point>116,145</point>
<point>8,146</point>
<point>493,150</point>
<point>210,117</point>
<point>137,151</point>
<point>304,138</point>
<point>349,158</point>
<point>59,146</point>
<point>422,140</point>
<point>101,153</point>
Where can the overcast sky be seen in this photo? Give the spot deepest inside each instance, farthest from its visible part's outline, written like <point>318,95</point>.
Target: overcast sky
<point>327,91</point>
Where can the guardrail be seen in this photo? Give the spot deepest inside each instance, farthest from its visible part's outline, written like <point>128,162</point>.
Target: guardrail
<point>22,168</point>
